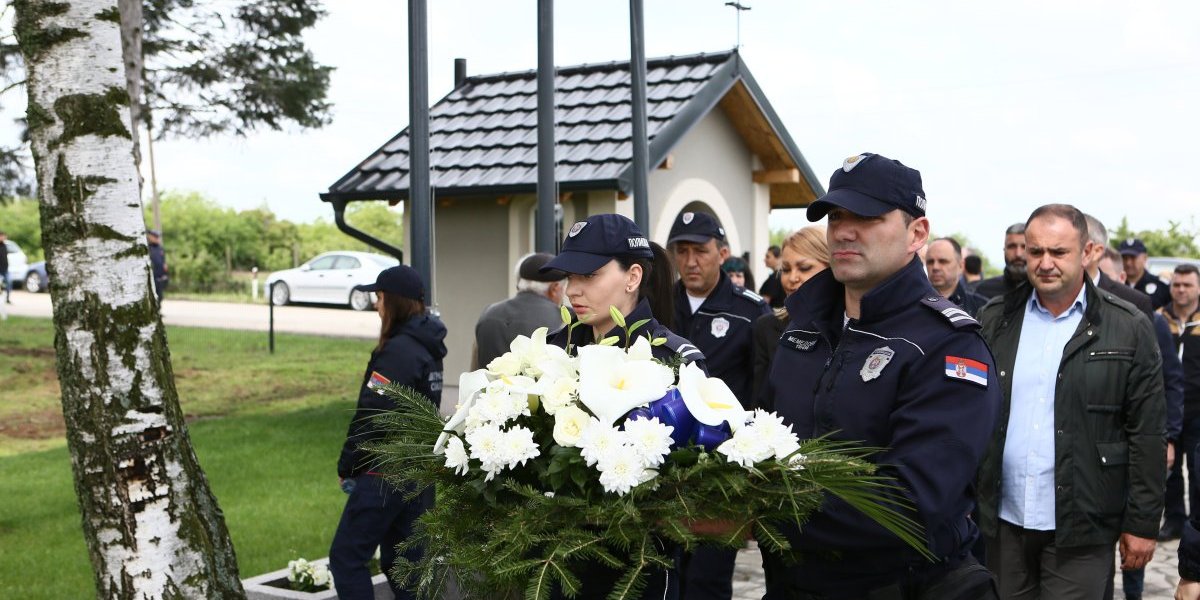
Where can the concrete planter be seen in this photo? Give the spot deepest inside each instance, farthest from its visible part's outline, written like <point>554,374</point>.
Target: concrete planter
<point>274,586</point>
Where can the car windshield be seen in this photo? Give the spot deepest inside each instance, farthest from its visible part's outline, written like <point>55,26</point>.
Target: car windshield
<point>384,261</point>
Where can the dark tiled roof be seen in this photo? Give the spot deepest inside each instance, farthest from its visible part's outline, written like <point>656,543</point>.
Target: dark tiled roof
<point>483,135</point>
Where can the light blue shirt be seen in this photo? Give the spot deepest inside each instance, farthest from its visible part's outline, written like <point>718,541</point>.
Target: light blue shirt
<point>1027,480</point>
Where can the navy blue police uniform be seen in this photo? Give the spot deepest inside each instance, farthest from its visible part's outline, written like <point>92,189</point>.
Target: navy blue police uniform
<point>590,245</point>
<point>911,375</point>
<point>722,327</point>
<point>376,514</point>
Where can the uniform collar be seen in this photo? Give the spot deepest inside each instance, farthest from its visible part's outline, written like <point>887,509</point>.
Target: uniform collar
<point>823,298</point>
<point>718,298</point>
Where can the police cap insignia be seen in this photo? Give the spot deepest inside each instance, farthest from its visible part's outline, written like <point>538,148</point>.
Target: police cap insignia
<point>576,228</point>
<point>849,164</point>
<point>687,218</point>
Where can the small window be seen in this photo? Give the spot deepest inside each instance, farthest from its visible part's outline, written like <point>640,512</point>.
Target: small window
<point>322,264</point>
<point>347,262</point>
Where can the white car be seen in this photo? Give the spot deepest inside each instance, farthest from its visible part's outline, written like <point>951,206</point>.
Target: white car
<point>330,278</point>
<point>1164,266</point>
<point>16,263</point>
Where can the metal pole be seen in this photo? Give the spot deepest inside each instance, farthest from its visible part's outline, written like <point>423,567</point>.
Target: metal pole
<point>271,325</point>
<point>418,136</point>
<point>641,152</point>
<point>547,193</point>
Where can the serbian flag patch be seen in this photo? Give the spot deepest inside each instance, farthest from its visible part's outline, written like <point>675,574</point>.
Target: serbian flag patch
<point>966,370</point>
<point>377,381</point>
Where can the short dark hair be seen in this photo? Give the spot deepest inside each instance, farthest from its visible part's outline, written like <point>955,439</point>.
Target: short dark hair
<point>774,250</point>
<point>973,264</point>
<point>953,244</point>
<point>1063,211</point>
<point>1015,229</point>
<point>1187,269</point>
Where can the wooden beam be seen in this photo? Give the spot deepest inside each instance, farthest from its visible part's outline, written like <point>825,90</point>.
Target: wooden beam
<point>777,176</point>
<point>668,163</point>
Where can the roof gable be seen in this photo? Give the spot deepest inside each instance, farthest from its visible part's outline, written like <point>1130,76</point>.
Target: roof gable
<point>483,135</point>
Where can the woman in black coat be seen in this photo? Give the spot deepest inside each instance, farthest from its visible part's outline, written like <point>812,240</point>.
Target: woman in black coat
<point>805,253</point>
<point>409,352</point>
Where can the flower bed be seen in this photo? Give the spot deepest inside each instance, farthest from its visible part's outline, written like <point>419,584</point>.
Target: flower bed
<point>275,586</point>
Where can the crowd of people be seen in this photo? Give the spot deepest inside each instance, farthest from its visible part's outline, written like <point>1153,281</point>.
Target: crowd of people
<point>1035,423</point>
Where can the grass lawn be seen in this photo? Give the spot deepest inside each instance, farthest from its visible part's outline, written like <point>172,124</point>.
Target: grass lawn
<point>267,430</point>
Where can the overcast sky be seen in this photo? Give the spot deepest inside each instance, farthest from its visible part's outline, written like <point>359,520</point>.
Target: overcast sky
<point>1002,106</point>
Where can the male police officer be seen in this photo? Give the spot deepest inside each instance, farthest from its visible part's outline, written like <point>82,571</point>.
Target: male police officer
<point>1133,257</point>
<point>718,317</point>
<point>874,355</point>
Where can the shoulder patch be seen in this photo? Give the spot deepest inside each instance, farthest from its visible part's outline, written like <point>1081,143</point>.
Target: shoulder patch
<point>957,317</point>
<point>751,295</point>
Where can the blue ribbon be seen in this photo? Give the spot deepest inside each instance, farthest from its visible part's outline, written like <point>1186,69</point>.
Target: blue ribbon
<point>671,410</point>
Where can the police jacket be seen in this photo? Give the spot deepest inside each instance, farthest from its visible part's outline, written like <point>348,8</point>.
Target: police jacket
<point>767,330</point>
<point>1157,289</point>
<point>722,329</point>
<point>582,336</point>
<point>411,357</point>
<point>912,376</point>
<point>158,262</point>
<point>967,299</point>
<point>1109,446</point>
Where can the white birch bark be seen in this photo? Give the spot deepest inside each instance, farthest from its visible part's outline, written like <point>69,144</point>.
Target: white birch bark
<point>152,526</point>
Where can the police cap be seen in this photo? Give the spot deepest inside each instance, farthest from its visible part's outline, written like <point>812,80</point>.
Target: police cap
<point>870,185</point>
<point>1132,247</point>
<point>401,280</point>
<point>695,227</point>
<point>592,243</point>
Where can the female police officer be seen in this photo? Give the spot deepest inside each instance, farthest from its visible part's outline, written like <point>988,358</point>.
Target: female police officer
<point>410,353</point>
<point>610,262</point>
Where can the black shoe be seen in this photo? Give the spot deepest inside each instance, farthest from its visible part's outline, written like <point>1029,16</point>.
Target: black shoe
<point>1172,529</point>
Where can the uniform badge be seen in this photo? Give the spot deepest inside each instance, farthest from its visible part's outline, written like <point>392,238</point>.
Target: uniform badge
<point>965,369</point>
<point>875,363</point>
<point>849,164</point>
<point>376,382</point>
<point>687,218</point>
<point>1151,288</point>
<point>576,228</point>
<point>720,326</point>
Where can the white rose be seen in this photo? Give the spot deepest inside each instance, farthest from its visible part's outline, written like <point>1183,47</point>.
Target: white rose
<point>560,394</point>
<point>505,364</point>
<point>569,423</point>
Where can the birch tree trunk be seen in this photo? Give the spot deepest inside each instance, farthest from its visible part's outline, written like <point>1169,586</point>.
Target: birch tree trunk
<point>153,527</point>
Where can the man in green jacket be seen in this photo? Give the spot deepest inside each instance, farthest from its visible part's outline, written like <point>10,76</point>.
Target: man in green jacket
<point>1078,459</point>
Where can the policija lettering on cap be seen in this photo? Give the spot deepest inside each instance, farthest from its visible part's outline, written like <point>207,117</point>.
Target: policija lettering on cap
<point>871,185</point>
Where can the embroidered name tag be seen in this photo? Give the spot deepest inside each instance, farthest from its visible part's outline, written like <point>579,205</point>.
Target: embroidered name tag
<point>798,340</point>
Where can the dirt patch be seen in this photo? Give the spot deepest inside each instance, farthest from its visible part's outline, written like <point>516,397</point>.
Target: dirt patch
<point>33,352</point>
<point>39,425</point>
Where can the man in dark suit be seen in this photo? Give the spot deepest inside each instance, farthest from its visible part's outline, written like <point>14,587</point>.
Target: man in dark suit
<point>1014,265</point>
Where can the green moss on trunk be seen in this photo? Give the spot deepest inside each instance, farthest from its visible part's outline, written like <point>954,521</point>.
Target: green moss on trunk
<point>92,114</point>
<point>33,36</point>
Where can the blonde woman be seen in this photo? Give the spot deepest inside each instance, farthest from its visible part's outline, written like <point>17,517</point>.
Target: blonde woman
<point>805,253</point>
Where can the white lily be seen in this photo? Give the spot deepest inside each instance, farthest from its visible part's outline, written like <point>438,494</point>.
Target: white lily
<point>709,399</point>
<point>469,385</point>
<point>610,384</point>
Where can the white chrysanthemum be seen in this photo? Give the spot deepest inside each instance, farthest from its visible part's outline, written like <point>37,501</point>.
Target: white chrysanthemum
<point>518,446</point>
<point>499,403</point>
<point>559,394</point>
<point>780,435</point>
<point>600,440</point>
<point>487,447</point>
<point>456,456</point>
<point>747,447</point>
<point>650,439</point>
<point>620,471</point>
<point>569,424</point>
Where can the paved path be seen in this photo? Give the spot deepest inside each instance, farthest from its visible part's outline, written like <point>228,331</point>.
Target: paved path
<point>334,321</point>
<point>748,583</point>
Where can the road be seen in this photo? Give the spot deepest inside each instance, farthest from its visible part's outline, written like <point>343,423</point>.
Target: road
<point>309,319</point>
<point>1161,576</point>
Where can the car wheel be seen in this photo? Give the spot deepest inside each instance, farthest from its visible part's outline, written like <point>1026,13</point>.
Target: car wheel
<point>280,294</point>
<point>360,300</point>
<point>33,282</point>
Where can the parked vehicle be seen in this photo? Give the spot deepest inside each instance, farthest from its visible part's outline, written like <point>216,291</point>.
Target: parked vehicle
<point>1163,266</point>
<point>37,280</point>
<point>16,263</point>
<point>330,278</point>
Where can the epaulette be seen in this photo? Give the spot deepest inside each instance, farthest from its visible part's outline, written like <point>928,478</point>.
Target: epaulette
<point>748,294</point>
<point>957,317</point>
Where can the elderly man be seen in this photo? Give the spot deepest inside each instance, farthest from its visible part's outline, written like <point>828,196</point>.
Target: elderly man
<point>1077,461</point>
<point>536,304</point>
<point>1014,265</point>
<point>944,264</point>
<point>873,355</point>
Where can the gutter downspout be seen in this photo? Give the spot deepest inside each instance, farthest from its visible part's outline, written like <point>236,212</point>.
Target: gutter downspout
<point>339,217</point>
